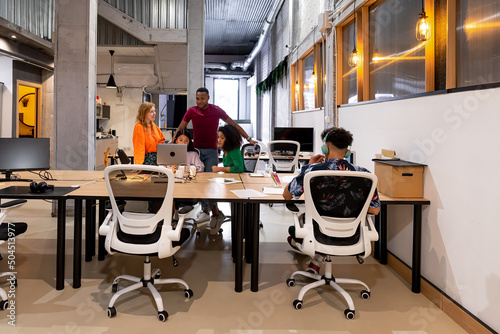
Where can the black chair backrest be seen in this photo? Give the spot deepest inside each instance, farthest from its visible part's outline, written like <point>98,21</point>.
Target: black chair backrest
<point>340,196</point>
<point>123,157</point>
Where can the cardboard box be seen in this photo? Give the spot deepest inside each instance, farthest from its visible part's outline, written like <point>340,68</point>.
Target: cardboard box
<point>399,178</point>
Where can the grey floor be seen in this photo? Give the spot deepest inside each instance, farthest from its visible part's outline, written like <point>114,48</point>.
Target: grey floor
<point>206,265</point>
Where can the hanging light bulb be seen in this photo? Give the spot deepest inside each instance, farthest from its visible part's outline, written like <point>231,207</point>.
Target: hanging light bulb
<point>423,29</point>
<point>297,86</point>
<point>313,78</point>
<point>354,58</point>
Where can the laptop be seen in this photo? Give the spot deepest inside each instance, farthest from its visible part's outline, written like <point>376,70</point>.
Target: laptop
<point>171,154</point>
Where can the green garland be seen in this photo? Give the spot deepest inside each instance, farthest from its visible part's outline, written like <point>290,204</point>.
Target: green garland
<point>274,77</point>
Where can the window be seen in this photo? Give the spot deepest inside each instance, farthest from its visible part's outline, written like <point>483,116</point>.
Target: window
<point>226,96</point>
<point>397,58</point>
<point>309,82</point>
<point>349,74</point>
<point>478,50</point>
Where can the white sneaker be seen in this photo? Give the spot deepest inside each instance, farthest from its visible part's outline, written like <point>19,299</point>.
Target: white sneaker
<point>202,216</point>
<point>216,222</point>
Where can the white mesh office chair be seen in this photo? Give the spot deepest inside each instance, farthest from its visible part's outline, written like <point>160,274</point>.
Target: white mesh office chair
<point>251,157</point>
<point>143,234</point>
<point>335,224</point>
<point>283,155</point>
<point>7,231</point>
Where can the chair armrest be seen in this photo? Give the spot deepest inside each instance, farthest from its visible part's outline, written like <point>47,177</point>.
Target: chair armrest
<point>5,207</point>
<point>372,232</point>
<point>300,231</point>
<point>13,204</point>
<point>107,225</point>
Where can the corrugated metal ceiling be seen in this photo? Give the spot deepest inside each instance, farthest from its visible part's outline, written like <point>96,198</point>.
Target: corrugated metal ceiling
<point>232,27</point>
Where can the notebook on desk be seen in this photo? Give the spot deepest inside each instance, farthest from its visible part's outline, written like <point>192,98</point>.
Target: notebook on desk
<point>171,154</point>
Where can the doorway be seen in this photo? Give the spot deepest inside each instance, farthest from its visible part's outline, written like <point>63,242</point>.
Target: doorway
<point>28,110</point>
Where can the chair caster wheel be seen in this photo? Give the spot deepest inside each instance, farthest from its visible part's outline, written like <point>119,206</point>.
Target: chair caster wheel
<point>111,312</point>
<point>349,314</point>
<point>290,282</point>
<point>188,293</point>
<point>162,316</point>
<point>4,304</point>
<point>365,294</point>
<point>297,304</point>
<point>114,287</point>
<point>220,231</point>
<point>197,234</point>
<point>158,274</point>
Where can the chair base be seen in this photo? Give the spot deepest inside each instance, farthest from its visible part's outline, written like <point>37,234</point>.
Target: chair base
<point>328,279</point>
<point>151,277</point>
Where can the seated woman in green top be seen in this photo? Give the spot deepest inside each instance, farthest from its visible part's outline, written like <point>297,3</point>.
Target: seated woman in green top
<point>229,140</point>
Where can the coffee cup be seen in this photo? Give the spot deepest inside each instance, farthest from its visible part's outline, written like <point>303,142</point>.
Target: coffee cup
<point>179,173</point>
<point>192,171</point>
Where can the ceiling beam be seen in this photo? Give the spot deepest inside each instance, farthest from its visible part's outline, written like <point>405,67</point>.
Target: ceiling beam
<point>139,30</point>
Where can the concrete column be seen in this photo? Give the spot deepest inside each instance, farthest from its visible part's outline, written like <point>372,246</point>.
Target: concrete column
<point>75,84</point>
<point>196,49</point>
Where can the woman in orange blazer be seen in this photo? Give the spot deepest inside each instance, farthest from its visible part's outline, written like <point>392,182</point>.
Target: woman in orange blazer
<point>146,135</point>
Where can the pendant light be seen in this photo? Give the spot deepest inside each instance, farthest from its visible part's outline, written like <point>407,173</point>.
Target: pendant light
<point>111,81</point>
<point>423,29</point>
<point>354,57</point>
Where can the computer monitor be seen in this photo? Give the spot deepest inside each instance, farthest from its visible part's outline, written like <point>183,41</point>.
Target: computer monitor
<point>23,154</point>
<point>305,136</point>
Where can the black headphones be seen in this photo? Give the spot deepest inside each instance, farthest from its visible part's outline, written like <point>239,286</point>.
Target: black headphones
<point>39,188</point>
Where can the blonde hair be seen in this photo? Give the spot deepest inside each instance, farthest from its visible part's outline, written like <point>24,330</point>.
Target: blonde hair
<point>144,108</point>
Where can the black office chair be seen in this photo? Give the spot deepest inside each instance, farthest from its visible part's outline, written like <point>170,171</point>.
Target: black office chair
<point>8,231</point>
<point>143,234</point>
<point>335,223</point>
<point>251,157</point>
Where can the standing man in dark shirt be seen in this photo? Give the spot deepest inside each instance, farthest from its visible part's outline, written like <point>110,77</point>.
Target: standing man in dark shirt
<point>205,118</point>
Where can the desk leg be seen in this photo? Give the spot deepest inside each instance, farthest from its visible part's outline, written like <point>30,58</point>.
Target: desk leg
<point>238,242</point>
<point>61,240</point>
<point>77,246</point>
<point>101,251</point>
<point>89,236</point>
<point>233,231</point>
<point>383,234</point>
<point>376,247</point>
<point>248,232</point>
<point>254,209</point>
<point>417,248</point>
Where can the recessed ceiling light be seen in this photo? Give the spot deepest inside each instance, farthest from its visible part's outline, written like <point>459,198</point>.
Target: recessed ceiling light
<point>14,36</point>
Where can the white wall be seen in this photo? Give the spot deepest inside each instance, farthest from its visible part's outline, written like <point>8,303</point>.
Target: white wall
<point>6,110</point>
<point>314,119</point>
<point>458,137</point>
<point>123,113</point>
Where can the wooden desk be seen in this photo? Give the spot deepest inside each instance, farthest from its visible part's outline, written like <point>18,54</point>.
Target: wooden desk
<point>380,251</point>
<point>203,188</point>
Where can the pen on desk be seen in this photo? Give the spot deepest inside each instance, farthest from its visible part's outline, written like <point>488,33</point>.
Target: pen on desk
<point>272,177</point>
<point>277,179</point>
